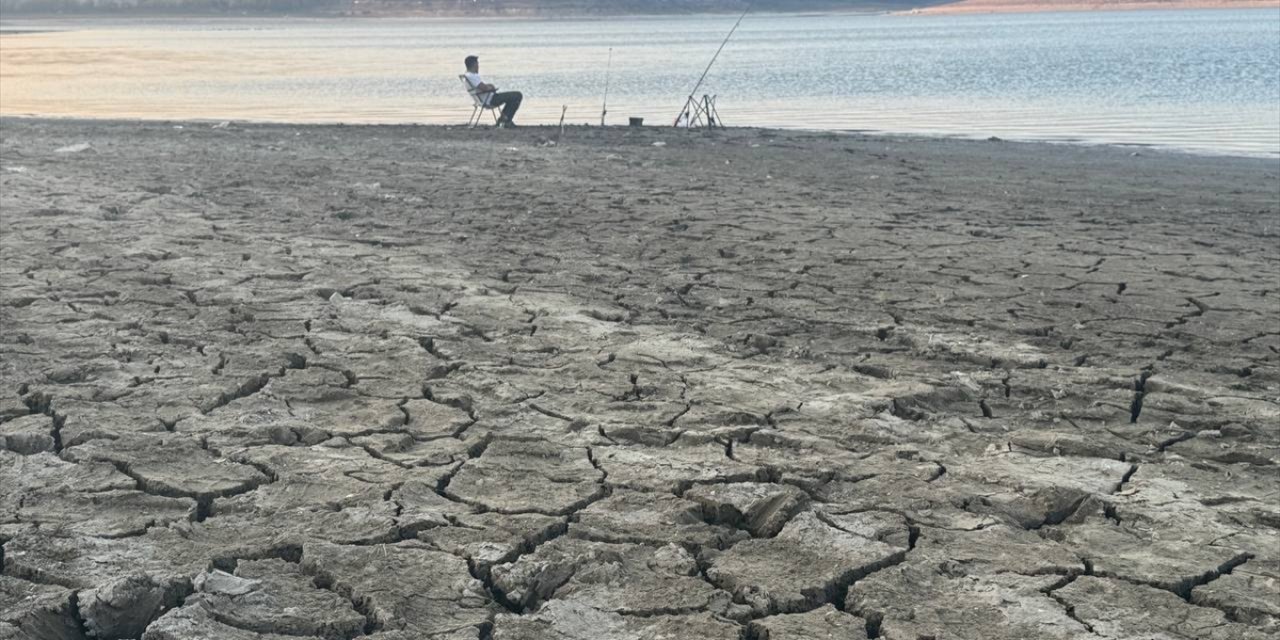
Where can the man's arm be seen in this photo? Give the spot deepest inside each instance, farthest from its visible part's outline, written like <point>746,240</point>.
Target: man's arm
<point>478,86</point>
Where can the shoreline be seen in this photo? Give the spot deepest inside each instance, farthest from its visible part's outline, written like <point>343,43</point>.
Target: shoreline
<point>1128,147</point>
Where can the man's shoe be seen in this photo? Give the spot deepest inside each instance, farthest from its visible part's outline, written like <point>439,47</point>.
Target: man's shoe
<point>507,124</point>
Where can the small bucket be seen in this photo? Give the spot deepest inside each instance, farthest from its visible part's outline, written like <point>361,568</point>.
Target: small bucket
<point>636,122</point>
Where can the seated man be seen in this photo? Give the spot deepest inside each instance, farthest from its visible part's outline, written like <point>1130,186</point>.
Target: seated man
<point>489,96</point>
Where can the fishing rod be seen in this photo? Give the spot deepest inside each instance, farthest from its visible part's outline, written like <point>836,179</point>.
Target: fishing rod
<point>604,108</point>
<point>709,64</point>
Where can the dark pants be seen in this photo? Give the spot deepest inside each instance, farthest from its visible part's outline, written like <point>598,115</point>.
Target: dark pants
<point>509,101</point>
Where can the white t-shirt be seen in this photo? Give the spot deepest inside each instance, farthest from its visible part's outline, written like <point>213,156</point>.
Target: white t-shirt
<point>475,80</point>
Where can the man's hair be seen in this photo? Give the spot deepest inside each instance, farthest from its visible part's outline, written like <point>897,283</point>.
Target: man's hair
<point>470,61</point>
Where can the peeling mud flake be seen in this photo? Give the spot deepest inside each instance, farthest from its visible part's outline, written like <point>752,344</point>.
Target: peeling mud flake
<point>1210,445</point>
<point>760,508</point>
<point>810,461</point>
<point>28,434</point>
<point>1090,445</point>
<point>919,600</point>
<point>810,562</point>
<point>1117,609</point>
<point>486,539</point>
<point>997,549</point>
<point>650,518</point>
<point>124,583</point>
<point>824,623</point>
<point>1033,492</point>
<point>323,399</point>
<point>429,419</point>
<point>627,579</point>
<point>170,466</point>
<point>469,633</point>
<point>1118,552</point>
<point>249,422</point>
<point>529,477</point>
<point>672,468</point>
<point>572,621</point>
<point>269,517</point>
<point>199,623</point>
<point>402,587</point>
<point>266,597</point>
<point>934,504</point>
<point>107,514</point>
<point>12,406</point>
<point>1250,593</point>
<point>123,608</point>
<point>441,455</point>
<point>335,493</point>
<point>47,474</point>
<point>421,507</point>
<point>30,611</point>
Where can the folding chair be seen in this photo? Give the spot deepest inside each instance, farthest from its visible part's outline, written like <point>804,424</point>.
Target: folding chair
<point>479,106</point>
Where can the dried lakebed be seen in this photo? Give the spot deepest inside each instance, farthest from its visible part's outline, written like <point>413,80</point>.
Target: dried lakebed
<point>277,382</point>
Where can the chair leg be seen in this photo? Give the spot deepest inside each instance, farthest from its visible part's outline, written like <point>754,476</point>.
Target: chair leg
<point>474,119</point>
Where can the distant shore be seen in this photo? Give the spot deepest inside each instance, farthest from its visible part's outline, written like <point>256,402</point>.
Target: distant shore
<point>961,7</point>
<point>1022,6</point>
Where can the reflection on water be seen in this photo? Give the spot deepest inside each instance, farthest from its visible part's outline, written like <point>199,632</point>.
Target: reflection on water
<point>1201,80</point>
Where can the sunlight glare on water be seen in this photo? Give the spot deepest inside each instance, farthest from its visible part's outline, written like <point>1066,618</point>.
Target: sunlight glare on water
<point>1196,80</point>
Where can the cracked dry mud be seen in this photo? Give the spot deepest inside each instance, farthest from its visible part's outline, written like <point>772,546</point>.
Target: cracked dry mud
<point>270,382</point>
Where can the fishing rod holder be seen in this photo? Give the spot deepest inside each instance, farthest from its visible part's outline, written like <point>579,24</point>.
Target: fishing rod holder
<point>700,112</point>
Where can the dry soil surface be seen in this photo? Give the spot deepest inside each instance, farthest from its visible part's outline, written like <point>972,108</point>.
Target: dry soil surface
<point>270,382</point>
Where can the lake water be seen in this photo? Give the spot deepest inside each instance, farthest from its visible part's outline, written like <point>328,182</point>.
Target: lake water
<point>1196,80</point>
